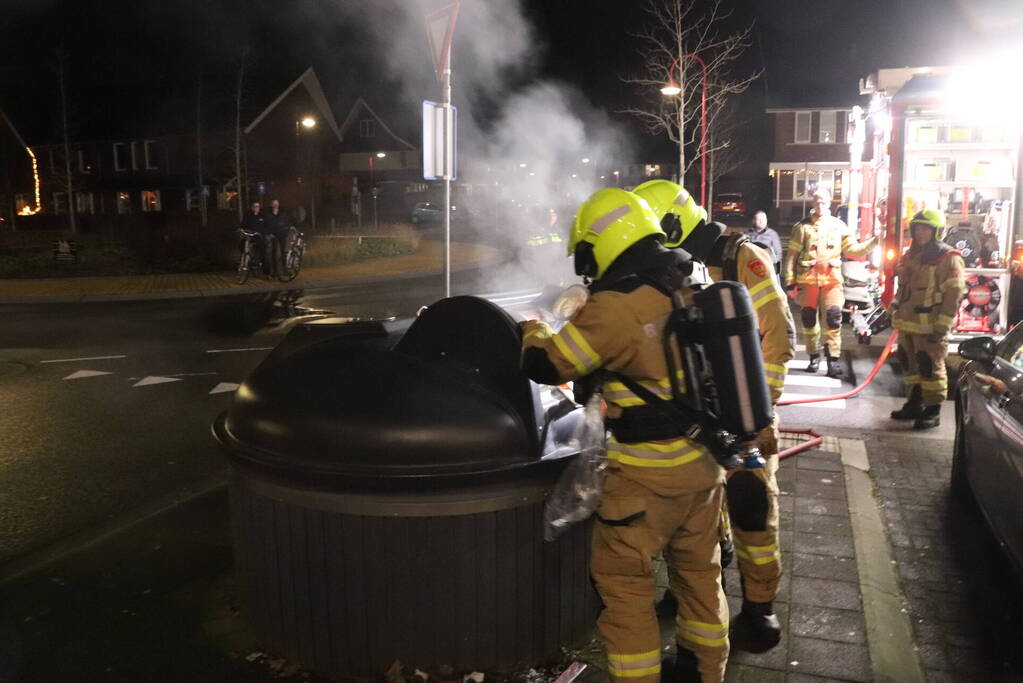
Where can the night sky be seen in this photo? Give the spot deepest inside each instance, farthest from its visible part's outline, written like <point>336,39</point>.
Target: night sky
<point>133,66</point>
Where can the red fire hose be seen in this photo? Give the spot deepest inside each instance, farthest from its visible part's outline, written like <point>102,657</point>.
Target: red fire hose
<point>815,438</point>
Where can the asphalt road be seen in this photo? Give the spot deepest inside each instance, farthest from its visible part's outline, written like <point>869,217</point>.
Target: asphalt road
<point>105,408</point>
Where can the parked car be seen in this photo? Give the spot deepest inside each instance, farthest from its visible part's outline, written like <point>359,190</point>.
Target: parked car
<point>429,212</point>
<point>729,205</point>
<point>987,461</point>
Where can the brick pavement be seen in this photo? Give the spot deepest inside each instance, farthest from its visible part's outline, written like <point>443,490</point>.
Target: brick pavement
<point>966,608</point>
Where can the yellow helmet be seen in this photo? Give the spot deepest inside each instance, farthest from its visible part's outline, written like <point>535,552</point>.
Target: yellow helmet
<point>931,218</point>
<point>607,224</point>
<point>674,207</point>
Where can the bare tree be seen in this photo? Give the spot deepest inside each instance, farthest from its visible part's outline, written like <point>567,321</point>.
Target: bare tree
<point>66,142</point>
<point>677,30</point>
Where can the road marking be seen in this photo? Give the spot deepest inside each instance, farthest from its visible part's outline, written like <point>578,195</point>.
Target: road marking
<point>812,381</point>
<point>254,348</point>
<point>837,404</point>
<point>147,381</point>
<point>81,374</point>
<point>72,360</point>
<point>224,387</point>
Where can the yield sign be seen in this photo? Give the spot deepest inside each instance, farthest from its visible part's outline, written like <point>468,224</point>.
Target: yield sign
<point>440,26</point>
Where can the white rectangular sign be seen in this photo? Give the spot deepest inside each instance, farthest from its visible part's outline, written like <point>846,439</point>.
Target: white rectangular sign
<point>439,141</point>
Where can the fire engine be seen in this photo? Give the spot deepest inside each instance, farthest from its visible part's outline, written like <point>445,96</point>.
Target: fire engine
<point>950,139</point>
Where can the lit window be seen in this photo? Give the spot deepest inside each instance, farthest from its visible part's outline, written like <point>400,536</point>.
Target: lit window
<point>150,152</point>
<point>799,188</point>
<point>366,128</point>
<point>84,166</point>
<point>827,133</point>
<point>59,202</point>
<point>84,202</point>
<point>123,202</point>
<point>150,200</point>
<point>120,156</point>
<point>802,126</point>
<point>652,170</point>
<point>22,202</point>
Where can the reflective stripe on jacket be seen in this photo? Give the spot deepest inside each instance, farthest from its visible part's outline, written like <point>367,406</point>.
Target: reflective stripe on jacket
<point>929,292</point>
<point>815,252</point>
<point>622,332</point>
<point>774,319</point>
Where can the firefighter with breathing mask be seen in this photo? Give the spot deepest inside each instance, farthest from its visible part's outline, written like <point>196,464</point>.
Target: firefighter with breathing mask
<point>752,508</point>
<point>663,491</point>
<point>931,284</point>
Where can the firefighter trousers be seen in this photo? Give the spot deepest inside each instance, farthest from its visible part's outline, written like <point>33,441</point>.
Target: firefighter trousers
<point>751,502</point>
<point>633,526</point>
<point>923,362</point>
<point>821,307</point>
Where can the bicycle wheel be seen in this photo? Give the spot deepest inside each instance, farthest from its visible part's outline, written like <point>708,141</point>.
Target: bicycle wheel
<point>243,265</point>
<point>292,263</point>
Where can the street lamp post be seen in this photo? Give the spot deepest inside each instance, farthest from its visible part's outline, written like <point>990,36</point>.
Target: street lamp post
<point>307,123</point>
<point>672,88</point>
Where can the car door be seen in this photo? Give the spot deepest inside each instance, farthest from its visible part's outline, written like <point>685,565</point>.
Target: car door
<point>1006,496</point>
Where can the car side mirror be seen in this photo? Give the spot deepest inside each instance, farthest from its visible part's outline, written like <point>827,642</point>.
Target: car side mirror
<point>981,349</point>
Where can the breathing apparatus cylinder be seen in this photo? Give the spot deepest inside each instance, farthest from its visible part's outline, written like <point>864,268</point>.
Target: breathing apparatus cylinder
<point>738,393</point>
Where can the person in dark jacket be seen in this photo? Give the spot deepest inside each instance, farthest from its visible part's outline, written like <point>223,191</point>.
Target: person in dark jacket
<point>278,224</point>
<point>766,237</point>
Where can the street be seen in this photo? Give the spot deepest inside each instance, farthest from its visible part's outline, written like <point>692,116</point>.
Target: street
<point>106,407</point>
<point>130,390</point>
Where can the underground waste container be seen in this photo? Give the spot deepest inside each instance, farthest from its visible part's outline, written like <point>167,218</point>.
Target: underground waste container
<point>387,490</point>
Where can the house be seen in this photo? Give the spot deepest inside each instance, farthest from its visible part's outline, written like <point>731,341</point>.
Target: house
<point>18,179</point>
<point>810,150</point>
<point>287,151</point>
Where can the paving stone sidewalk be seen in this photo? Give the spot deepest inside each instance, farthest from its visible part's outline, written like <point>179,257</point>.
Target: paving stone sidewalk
<point>819,602</point>
<point>965,605</point>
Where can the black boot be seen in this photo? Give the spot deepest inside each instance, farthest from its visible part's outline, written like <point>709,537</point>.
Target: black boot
<point>756,628</point>
<point>815,362</point>
<point>683,669</point>
<point>912,408</point>
<point>929,418</point>
<point>835,367</point>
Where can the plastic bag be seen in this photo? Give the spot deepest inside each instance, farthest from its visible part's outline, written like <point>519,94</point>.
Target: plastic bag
<point>577,494</point>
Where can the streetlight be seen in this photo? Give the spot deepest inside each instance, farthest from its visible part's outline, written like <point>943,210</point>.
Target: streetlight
<point>381,155</point>
<point>586,160</point>
<point>672,88</point>
<point>308,122</point>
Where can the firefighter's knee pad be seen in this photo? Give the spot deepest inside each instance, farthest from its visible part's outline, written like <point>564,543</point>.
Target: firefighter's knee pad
<point>747,501</point>
<point>926,364</point>
<point>809,316</point>
<point>834,317</point>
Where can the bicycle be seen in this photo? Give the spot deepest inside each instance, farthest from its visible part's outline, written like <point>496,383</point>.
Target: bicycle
<point>292,256</point>
<point>252,254</point>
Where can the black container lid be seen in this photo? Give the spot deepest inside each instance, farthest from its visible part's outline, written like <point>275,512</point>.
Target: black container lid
<point>446,398</point>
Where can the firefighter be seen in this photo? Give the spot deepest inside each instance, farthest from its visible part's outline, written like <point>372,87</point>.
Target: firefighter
<point>734,257</point>
<point>931,284</point>
<point>663,491</point>
<point>813,270</point>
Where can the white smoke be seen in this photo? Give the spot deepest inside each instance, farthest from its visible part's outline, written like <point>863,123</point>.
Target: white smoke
<point>522,142</point>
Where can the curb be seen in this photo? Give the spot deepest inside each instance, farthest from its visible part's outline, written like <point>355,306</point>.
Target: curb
<point>893,655</point>
<point>242,290</point>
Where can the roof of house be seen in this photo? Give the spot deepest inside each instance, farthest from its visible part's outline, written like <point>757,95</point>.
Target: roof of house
<point>353,117</point>
<point>312,85</point>
<point>10,126</point>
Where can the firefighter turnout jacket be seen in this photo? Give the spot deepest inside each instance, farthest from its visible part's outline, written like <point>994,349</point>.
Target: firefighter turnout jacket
<point>816,247</point>
<point>742,261</point>
<point>931,283</point>
<point>661,494</point>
